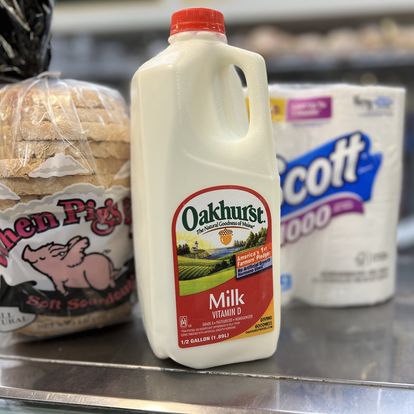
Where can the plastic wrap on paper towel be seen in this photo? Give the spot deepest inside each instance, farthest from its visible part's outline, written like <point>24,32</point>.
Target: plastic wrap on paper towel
<point>66,260</point>
<point>24,38</point>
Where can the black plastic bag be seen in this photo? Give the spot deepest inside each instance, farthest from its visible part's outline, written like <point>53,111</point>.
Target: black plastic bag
<point>24,38</point>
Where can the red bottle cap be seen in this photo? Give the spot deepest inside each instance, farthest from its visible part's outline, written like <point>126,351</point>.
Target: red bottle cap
<point>197,19</point>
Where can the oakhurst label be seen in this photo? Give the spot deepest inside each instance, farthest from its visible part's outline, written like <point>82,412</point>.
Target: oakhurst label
<point>223,266</point>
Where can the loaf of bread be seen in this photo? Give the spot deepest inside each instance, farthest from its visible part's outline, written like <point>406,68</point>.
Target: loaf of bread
<point>65,237</point>
<point>66,124</point>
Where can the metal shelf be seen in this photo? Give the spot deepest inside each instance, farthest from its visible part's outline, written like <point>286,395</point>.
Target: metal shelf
<point>367,61</point>
<point>355,360</point>
<point>124,67</point>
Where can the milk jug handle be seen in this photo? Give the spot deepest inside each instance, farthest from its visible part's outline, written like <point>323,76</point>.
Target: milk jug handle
<point>254,69</point>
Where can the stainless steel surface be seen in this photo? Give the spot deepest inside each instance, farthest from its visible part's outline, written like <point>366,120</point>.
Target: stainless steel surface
<point>357,360</point>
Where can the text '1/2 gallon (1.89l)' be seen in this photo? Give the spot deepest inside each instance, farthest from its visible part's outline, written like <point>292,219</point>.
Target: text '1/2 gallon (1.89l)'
<point>205,199</point>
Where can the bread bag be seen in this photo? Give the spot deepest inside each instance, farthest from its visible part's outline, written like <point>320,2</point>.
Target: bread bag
<point>66,260</point>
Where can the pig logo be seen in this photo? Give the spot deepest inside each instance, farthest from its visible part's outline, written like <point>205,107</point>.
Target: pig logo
<point>68,266</point>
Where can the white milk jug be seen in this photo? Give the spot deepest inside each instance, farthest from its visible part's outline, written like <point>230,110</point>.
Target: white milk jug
<point>205,199</point>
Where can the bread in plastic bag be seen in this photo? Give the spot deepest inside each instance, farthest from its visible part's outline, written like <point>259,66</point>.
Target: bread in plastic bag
<point>24,38</point>
<point>66,259</point>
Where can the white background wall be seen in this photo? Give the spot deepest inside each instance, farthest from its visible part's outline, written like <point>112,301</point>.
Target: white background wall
<point>121,15</point>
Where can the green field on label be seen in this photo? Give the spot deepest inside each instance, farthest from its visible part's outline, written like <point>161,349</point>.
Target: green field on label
<point>194,272</point>
<point>189,287</point>
<point>189,261</point>
<point>190,268</point>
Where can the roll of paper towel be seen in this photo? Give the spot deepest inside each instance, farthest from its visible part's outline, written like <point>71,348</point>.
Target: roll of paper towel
<point>339,149</point>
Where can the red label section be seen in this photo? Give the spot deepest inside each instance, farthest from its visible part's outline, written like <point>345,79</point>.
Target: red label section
<point>226,311</point>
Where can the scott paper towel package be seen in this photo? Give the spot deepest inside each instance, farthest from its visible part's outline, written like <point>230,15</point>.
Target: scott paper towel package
<point>340,161</point>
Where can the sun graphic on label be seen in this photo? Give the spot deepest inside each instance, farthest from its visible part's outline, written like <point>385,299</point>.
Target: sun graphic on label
<point>226,236</point>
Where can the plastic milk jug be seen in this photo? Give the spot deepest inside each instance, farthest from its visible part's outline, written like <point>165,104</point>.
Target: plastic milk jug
<point>205,199</point>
